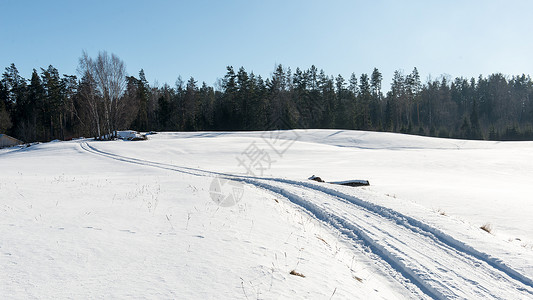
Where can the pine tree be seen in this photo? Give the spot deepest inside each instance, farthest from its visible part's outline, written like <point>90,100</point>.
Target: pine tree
<point>301,98</point>
<point>35,110</point>
<point>375,84</point>
<point>329,101</point>
<point>143,95</point>
<point>54,102</point>
<point>5,119</point>
<point>190,104</point>
<point>243,98</point>
<point>280,117</point>
<point>375,102</point>
<point>207,107</point>
<point>15,86</point>
<point>414,87</point>
<point>493,134</point>
<point>475,130</point>
<point>397,95</point>
<point>466,129</point>
<point>230,108</point>
<point>363,120</point>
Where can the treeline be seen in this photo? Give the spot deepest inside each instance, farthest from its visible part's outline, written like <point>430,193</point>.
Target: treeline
<point>103,99</point>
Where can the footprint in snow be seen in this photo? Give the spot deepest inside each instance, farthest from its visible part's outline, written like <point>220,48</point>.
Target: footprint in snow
<point>90,227</point>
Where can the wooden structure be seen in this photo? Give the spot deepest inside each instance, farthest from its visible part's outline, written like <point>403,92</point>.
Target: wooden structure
<point>8,141</point>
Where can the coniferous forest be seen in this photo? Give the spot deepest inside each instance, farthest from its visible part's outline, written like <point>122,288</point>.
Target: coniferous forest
<point>103,98</point>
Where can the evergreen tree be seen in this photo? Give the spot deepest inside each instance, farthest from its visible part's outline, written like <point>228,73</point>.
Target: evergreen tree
<point>5,119</point>
<point>280,117</point>
<point>363,118</point>
<point>261,106</point>
<point>339,85</point>
<point>14,85</point>
<point>54,102</point>
<point>466,129</point>
<point>230,109</point>
<point>397,95</point>
<point>142,98</point>
<point>343,104</point>
<point>34,112</point>
<point>329,101</point>
<point>301,98</point>
<point>207,107</point>
<point>493,134</point>
<point>475,130</point>
<point>244,91</point>
<point>375,102</point>
<point>414,87</point>
<point>354,86</point>
<point>190,104</point>
<point>389,111</point>
<point>375,83</point>
<point>14,88</point>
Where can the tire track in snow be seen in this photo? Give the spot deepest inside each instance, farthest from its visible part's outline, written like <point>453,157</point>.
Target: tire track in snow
<point>416,226</point>
<point>440,270</point>
<point>420,253</point>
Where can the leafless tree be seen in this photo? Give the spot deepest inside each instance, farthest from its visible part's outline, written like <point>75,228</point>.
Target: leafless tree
<point>88,92</point>
<point>106,82</point>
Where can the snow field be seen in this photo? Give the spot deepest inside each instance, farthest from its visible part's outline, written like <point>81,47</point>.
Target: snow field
<point>76,225</point>
<point>136,219</point>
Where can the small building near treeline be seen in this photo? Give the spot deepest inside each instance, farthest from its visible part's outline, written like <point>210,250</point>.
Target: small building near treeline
<point>9,141</point>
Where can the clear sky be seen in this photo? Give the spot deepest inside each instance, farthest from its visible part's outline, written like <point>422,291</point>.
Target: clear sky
<point>200,38</point>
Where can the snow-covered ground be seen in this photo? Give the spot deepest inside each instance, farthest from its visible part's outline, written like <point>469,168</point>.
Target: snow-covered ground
<point>121,219</point>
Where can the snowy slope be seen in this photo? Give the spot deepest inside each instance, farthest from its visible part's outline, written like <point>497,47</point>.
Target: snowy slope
<point>478,181</point>
<point>138,218</point>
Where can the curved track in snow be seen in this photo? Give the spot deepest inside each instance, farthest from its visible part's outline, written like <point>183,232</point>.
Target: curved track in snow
<point>415,253</point>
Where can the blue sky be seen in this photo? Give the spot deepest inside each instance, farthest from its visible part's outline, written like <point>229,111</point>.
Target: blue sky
<point>200,38</point>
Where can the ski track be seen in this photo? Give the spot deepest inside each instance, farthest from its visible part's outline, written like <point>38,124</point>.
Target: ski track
<point>436,263</point>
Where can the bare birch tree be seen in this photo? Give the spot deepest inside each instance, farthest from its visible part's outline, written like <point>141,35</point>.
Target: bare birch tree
<point>108,74</point>
<point>88,94</point>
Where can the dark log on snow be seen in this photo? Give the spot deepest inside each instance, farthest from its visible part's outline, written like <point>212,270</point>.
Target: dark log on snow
<point>353,183</point>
